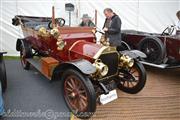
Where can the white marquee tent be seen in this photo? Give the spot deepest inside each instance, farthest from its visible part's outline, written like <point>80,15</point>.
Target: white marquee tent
<point>143,15</point>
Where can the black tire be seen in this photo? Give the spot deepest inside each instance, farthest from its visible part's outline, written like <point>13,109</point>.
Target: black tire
<point>127,78</point>
<point>3,78</point>
<point>84,84</point>
<point>153,48</point>
<point>25,52</point>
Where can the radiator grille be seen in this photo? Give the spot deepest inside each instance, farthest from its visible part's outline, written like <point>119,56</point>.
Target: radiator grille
<point>111,60</point>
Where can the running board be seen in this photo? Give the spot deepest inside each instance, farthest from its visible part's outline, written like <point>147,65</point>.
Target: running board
<point>162,66</point>
<point>45,65</point>
<point>35,63</point>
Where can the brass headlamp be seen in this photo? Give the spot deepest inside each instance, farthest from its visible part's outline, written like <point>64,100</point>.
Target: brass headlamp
<point>126,61</point>
<point>55,32</point>
<point>43,32</point>
<point>60,43</point>
<point>101,68</point>
<point>104,41</point>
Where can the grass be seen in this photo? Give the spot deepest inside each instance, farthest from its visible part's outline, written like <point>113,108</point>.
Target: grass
<point>11,57</point>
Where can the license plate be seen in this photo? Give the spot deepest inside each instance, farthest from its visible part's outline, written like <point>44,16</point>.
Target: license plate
<point>112,95</point>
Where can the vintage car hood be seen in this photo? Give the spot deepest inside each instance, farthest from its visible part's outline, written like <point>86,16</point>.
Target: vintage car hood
<point>85,48</point>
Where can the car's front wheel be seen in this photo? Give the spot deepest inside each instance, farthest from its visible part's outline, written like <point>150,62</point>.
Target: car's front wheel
<point>79,93</point>
<point>132,80</point>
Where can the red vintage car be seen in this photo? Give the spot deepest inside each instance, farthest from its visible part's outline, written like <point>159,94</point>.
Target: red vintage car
<point>162,50</point>
<point>89,72</point>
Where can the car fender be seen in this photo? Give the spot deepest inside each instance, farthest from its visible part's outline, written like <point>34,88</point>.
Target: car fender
<point>123,43</point>
<point>81,65</point>
<point>134,53</point>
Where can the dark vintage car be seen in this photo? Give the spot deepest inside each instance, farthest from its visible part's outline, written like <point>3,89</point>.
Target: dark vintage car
<point>162,50</point>
<point>3,82</point>
<point>3,78</point>
<point>89,72</point>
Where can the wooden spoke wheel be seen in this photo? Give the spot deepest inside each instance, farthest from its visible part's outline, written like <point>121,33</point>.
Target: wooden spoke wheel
<point>132,80</point>
<point>24,62</point>
<point>79,94</point>
<point>25,52</point>
<point>76,93</point>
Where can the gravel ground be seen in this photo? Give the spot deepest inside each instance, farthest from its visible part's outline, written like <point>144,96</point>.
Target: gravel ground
<point>159,100</point>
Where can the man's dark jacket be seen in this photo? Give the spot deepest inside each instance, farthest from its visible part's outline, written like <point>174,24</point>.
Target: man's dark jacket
<point>114,30</point>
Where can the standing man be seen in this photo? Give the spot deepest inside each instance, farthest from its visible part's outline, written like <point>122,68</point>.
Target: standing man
<point>112,28</point>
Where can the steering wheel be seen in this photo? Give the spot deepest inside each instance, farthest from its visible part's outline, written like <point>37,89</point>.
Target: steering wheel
<point>169,30</point>
<point>58,21</point>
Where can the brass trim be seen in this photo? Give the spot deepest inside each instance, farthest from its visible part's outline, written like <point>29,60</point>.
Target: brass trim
<point>105,50</point>
<point>75,44</point>
<point>100,52</point>
<point>72,47</point>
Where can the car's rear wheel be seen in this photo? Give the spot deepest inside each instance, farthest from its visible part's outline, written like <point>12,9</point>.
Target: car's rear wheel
<point>132,80</point>
<point>25,52</point>
<point>154,49</point>
<point>79,94</point>
<point>3,77</point>
<point>124,46</point>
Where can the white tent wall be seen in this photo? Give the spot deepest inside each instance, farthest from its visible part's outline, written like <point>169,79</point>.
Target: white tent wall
<point>10,8</point>
<point>179,4</point>
<point>156,15</point>
<point>143,15</point>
